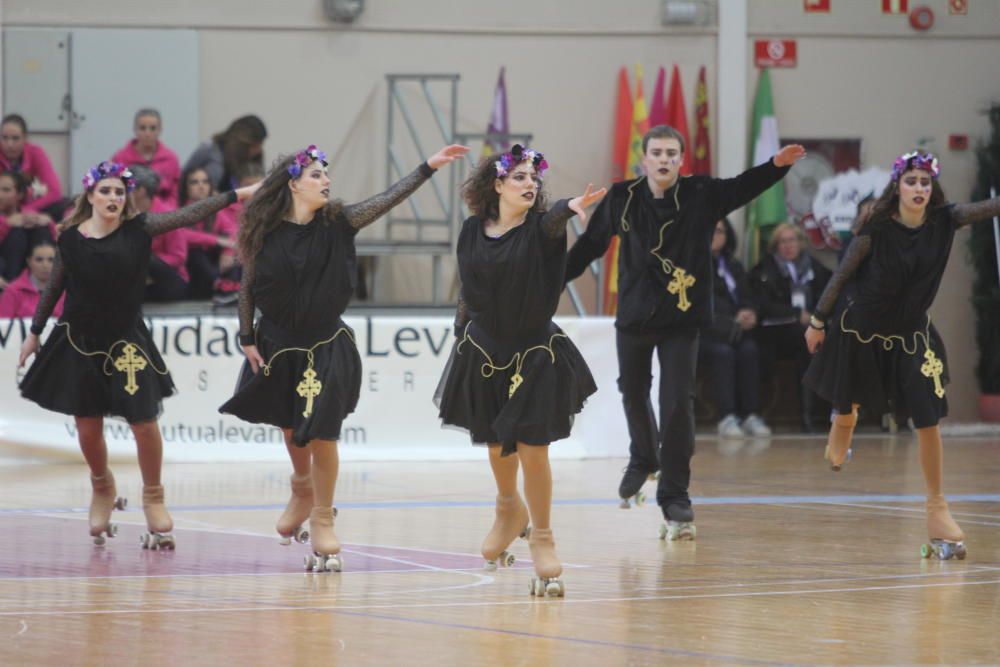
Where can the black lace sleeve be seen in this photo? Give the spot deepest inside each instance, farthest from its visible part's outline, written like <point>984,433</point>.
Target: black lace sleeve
<point>966,214</point>
<point>50,297</point>
<point>161,223</point>
<point>364,213</point>
<point>461,315</point>
<point>859,249</point>
<point>246,304</point>
<point>556,218</point>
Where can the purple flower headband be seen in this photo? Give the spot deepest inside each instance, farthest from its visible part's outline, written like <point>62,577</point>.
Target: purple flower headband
<point>104,170</point>
<point>915,160</point>
<point>304,158</point>
<point>516,156</point>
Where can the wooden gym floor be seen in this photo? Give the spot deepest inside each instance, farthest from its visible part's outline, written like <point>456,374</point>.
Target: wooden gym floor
<point>794,564</point>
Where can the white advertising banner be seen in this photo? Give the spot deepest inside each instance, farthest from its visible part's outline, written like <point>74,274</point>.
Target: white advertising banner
<point>402,357</point>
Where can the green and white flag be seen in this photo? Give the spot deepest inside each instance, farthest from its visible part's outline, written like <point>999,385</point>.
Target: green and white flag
<point>769,208</point>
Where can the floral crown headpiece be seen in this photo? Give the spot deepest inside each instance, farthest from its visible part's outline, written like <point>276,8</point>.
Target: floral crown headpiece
<point>925,161</point>
<point>106,169</point>
<point>304,158</point>
<point>518,154</point>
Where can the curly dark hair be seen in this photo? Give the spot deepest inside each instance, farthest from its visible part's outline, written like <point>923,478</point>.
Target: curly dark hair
<point>480,193</point>
<point>269,206</point>
<point>888,202</point>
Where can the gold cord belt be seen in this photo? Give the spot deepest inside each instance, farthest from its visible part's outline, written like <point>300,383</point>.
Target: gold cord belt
<point>128,362</point>
<point>932,367</point>
<point>309,387</point>
<point>517,361</point>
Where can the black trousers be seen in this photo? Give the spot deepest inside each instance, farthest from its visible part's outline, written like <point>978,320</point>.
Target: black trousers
<point>734,374</point>
<point>673,441</point>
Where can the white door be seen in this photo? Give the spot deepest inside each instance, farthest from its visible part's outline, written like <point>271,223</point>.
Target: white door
<point>116,72</point>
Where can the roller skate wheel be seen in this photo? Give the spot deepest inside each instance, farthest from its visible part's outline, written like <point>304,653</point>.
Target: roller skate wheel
<point>99,540</point>
<point>526,533</point>
<point>639,499</point>
<point>663,531</point>
<point>285,541</point>
<point>960,552</point>
<point>554,588</point>
<point>625,504</point>
<point>301,535</point>
<point>167,542</point>
<point>507,559</point>
<point>490,566</point>
<point>144,541</point>
<point>537,587</point>
<point>926,551</point>
<point>333,563</point>
<point>121,503</point>
<point>308,561</point>
<point>112,529</point>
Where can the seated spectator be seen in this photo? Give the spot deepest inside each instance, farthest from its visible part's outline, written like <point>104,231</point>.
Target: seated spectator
<point>19,229</point>
<point>227,286</point>
<point>787,284</point>
<point>168,276</point>
<point>147,149</point>
<point>21,297</point>
<point>228,152</point>
<point>29,160</point>
<point>728,350</point>
<point>208,239</point>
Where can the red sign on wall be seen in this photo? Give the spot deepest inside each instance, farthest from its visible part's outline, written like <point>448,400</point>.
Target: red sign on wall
<point>774,53</point>
<point>959,7</point>
<point>817,6</point>
<point>895,6</point>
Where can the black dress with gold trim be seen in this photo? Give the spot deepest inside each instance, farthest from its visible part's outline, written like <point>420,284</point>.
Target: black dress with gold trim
<point>301,281</point>
<point>513,375</point>
<point>100,359</point>
<point>881,350</point>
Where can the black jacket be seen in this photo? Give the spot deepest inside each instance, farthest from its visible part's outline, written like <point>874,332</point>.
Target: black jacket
<point>664,255</point>
<point>773,291</point>
<point>724,328</point>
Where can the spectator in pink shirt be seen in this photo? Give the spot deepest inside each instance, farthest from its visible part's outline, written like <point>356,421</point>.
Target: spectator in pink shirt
<point>20,299</point>
<point>30,160</point>
<point>19,230</point>
<point>147,149</point>
<point>211,240</point>
<point>168,276</point>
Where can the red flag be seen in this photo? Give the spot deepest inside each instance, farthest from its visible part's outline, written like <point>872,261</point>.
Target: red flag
<point>623,127</point>
<point>619,161</point>
<point>677,114</point>
<point>895,6</point>
<point>701,155</point>
<point>657,106</point>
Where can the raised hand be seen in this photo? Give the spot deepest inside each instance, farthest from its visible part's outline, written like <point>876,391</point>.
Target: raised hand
<point>789,155</point>
<point>446,155</point>
<point>579,205</point>
<point>247,191</point>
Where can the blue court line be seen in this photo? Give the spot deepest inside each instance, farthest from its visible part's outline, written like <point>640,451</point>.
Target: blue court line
<point>573,640</point>
<point>424,504</point>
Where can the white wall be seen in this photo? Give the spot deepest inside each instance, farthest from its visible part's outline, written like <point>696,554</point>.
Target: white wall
<point>860,74</point>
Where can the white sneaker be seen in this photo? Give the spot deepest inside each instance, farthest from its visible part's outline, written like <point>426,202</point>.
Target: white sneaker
<point>754,426</point>
<point>729,427</point>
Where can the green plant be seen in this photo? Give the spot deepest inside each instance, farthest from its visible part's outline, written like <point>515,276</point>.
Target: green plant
<point>983,249</point>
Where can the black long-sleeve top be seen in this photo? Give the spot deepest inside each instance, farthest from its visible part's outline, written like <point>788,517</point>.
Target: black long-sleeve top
<point>660,236</point>
<point>105,278</point>
<point>304,275</point>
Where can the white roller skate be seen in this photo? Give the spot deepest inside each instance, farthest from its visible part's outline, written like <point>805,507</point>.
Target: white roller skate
<point>546,581</point>
<point>102,502</point>
<point>509,523</point>
<point>299,506</point>
<point>679,523</point>
<point>158,521</point>
<point>326,546</point>
<point>630,489</point>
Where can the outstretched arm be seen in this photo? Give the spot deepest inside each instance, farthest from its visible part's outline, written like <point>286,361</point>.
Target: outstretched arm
<point>966,214</point>
<point>593,243</point>
<point>741,190</point>
<point>246,308</point>
<point>364,213</point>
<point>555,219</point>
<point>859,249</point>
<point>161,223</point>
<point>46,305</point>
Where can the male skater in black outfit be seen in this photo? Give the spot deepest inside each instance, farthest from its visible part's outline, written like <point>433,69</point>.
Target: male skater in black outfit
<point>665,226</point>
